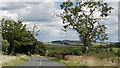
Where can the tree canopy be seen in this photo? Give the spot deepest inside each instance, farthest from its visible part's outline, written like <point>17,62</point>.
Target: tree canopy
<point>85,17</point>
<point>20,39</point>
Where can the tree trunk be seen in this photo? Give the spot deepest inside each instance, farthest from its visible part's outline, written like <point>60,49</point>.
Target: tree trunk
<point>87,44</point>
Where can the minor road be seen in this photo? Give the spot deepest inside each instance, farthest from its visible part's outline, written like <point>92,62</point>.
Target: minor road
<point>40,62</point>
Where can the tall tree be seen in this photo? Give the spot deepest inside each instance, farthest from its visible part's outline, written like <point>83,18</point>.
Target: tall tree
<point>12,31</point>
<point>21,40</point>
<point>85,17</point>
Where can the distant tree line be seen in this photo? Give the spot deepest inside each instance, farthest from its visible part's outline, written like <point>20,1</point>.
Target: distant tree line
<point>112,45</point>
<point>18,39</point>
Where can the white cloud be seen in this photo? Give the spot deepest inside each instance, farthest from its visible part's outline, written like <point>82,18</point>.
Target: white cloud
<point>6,14</point>
<point>42,14</point>
<point>112,21</point>
<point>39,12</point>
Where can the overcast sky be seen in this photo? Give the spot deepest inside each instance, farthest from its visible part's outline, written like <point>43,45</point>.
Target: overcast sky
<point>42,14</point>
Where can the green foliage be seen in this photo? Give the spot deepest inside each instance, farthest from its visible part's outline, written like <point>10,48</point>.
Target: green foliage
<point>20,39</point>
<point>80,17</point>
<point>61,52</point>
<point>117,44</point>
<point>111,45</point>
<point>40,48</point>
<point>118,53</point>
<point>56,53</point>
<point>102,55</point>
<point>29,53</point>
<point>13,53</point>
<point>5,45</point>
<point>99,52</point>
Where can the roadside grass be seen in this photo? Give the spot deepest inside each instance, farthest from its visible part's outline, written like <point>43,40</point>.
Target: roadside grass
<point>72,60</point>
<point>65,62</point>
<point>8,60</point>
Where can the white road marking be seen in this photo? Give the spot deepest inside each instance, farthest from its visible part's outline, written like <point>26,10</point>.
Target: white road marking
<point>39,63</point>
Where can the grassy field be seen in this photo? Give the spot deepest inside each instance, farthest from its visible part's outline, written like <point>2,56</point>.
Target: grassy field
<point>8,60</point>
<point>100,54</point>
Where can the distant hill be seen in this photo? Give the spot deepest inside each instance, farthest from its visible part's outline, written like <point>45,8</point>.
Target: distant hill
<point>68,42</point>
<point>72,43</point>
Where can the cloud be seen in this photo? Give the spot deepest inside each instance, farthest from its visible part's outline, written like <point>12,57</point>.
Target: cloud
<point>112,23</point>
<point>42,14</point>
<point>42,11</point>
<point>49,32</point>
<point>12,5</point>
<point>7,15</point>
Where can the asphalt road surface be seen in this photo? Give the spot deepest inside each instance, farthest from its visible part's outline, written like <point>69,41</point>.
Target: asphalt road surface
<point>40,62</point>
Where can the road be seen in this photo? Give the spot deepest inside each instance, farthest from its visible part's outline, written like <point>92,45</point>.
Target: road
<point>40,62</point>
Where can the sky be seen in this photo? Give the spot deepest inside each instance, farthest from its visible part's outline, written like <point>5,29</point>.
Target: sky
<point>42,14</point>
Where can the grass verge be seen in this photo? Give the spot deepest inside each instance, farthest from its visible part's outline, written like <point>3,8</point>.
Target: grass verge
<point>14,60</point>
<point>66,62</point>
<point>72,60</point>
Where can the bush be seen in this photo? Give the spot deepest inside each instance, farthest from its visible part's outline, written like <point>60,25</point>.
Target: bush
<point>58,53</point>
<point>101,55</point>
<point>61,52</point>
<point>83,49</point>
<point>117,44</point>
<point>5,45</point>
<point>13,53</point>
<point>54,53</point>
<point>16,46</point>
<point>29,53</point>
<point>64,52</point>
<point>118,53</point>
<point>40,48</point>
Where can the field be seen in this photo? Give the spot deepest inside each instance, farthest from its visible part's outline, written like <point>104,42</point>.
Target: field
<point>73,43</point>
<point>72,53</point>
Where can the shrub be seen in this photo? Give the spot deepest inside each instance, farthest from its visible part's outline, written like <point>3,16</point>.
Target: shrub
<point>13,53</point>
<point>54,53</point>
<point>40,48</point>
<point>83,49</point>
<point>101,55</point>
<point>5,45</point>
<point>58,53</point>
<point>118,53</point>
<point>61,52</point>
<point>117,44</point>
<point>77,51</point>
<point>29,53</point>
<point>64,52</point>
